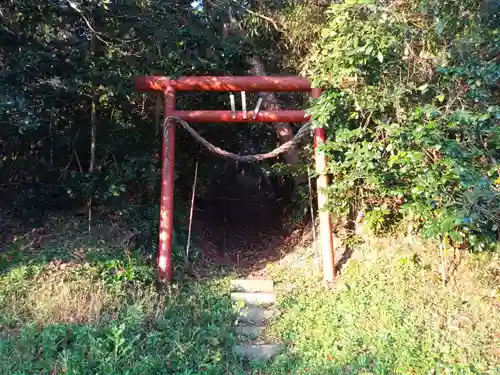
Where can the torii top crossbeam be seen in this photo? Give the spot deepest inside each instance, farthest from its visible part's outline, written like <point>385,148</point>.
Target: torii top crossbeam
<point>229,84</point>
<point>225,84</point>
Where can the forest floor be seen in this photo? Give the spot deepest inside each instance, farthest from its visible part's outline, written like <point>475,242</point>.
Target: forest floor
<point>244,232</point>
<point>78,303</point>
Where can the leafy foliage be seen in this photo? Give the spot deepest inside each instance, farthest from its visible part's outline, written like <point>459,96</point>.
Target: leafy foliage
<point>413,118</point>
<point>66,62</point>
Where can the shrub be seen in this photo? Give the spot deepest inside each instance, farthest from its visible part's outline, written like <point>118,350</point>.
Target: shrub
<point>411,102</point>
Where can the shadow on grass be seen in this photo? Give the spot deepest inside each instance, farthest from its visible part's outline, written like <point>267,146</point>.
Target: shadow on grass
<point>233,233</point>
<point>84,304</point>
<point>81,304</point>
<point>107,316</point>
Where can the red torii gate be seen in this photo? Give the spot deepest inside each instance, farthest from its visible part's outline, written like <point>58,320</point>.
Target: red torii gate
<point>231,84</point>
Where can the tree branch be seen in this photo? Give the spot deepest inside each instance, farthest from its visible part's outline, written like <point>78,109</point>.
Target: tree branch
<point>73,6</point>
<point>268,19</point>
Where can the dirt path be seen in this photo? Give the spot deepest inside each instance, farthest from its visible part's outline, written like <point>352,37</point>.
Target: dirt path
<point>243,230</point>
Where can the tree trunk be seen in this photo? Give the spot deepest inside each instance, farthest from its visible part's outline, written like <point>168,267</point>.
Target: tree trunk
<point>93,114</point>
<point>283,130</point>
<point>93,134</point>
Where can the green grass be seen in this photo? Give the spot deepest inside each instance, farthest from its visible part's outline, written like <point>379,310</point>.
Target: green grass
<point>99,311</point>
<point>77,322</point>
<point>391,314</point>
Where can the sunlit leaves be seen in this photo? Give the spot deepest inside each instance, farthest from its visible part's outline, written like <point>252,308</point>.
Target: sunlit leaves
<point>402,125</point>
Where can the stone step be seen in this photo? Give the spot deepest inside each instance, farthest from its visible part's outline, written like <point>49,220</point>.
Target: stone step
<point>254,298</point>
<point>259,352</point>
<point>253,314</point>
<point>250,330</point>
<point>252,285</point>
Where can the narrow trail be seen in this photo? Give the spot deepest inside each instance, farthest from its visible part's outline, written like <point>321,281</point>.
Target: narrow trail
<point>244,229</point>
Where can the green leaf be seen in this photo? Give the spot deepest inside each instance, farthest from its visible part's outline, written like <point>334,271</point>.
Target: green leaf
<point>380,57</point>
<point>456,236</point>
<point>423,88</point>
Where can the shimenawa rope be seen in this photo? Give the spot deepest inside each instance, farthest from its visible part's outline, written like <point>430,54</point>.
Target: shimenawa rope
<point>301,134</point>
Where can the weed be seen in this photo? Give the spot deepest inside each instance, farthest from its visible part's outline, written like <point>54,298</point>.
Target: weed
<point>101,313</point>
<point>390,314</point>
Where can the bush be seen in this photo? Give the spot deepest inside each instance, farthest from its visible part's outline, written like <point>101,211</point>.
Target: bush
<point>411,101</point>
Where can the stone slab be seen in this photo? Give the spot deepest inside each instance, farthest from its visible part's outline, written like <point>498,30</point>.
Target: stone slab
<point>250,330</point>
<point>259,352</point>
<point>253,314</point>
<point>252,285</point>
<point>254,298</point>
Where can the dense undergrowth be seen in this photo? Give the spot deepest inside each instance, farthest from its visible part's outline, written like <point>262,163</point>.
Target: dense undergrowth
<point>413,112</point>
<point>411,103</point>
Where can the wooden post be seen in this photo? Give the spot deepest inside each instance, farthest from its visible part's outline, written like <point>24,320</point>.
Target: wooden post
<point>325,222</point>
<point>167,190</point>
